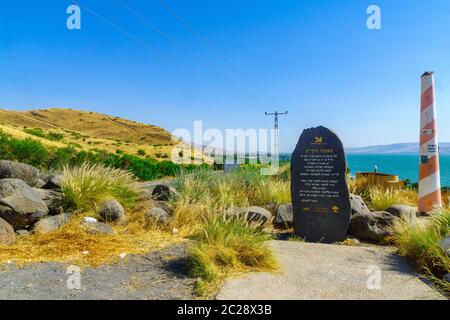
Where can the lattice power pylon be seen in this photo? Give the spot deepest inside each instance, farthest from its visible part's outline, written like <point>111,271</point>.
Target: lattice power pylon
<point>276,133</point>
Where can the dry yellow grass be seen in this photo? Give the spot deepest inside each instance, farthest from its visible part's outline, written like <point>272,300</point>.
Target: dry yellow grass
<point>69,243</point>
<point>378,197</point>
<point>90,130</point>
<point>84,188</point>
<point>381,198</point>
<point>89,123</point>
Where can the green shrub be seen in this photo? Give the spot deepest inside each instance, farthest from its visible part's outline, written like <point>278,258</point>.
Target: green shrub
<point>55,136</point>
<point>28,151</point>
<point>38,132</point>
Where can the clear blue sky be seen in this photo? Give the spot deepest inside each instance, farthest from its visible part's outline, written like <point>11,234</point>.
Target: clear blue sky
<point>316,59</point>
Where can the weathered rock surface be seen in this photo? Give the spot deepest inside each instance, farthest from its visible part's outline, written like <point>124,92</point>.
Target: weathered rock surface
<point>40,183</point>
<point>272,208</point>
<point>111,210</point>
<point>447,277</point>
<point>20,204</point>
<point>163,192</point>
<point>358,205</point>
<point>253,214</point>
<point>7,235</point>
<point>22,232</point>
<point>98,228</point>
<point>52,199</point>
<point>54,181</point>
<point>404,212</point>
<point>159,215</point>
<point>22,171</point>
<point>445,245</point>
<point>373,226</point>
<point>51,223</point>
<point>284,216</point>
<point>163,205</point>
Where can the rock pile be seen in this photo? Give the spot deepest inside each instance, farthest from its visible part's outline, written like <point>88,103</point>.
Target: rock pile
<point>364,224</point>
<point>33,203</point>
<point>162,212</point>
<point>28,202</point>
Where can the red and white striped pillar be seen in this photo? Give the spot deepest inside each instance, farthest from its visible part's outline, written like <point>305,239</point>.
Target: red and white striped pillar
<point>429,178</point>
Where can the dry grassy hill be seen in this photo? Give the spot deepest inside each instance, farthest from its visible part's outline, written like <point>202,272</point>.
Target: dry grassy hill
<point>88,130</point>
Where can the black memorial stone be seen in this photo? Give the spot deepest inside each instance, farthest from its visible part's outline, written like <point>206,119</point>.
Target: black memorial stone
<point>320,196</point>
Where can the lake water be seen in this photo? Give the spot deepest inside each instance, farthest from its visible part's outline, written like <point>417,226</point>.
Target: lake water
<point>406,166</point>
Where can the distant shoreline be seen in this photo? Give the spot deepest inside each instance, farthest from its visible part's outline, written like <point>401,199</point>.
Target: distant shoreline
<point>405,165</point>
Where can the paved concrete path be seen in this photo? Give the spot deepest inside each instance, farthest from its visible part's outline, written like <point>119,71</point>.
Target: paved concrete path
<point>321,271</point>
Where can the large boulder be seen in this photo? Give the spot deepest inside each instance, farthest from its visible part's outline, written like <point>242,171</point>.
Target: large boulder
<point>445,245</point>
<point>159,215</point>
<point>51,223</point>
<point>111,210</point>
<point>404,212</point>
<point>22,171</point>
<point>358,205</point>
<point>54,182</point>
<point>52,199</point>
<point>372,226</point>
<point>20,204</point>
<point>7,235</point>
<point>253,215</point>
<point>99,228</point>
<point>284,216</point>
<point>163,192</point>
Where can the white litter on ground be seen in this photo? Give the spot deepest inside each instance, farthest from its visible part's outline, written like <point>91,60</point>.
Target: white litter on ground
<point>122,255</point>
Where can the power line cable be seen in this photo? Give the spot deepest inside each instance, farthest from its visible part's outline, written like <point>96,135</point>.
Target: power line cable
<point>121,30</point>
<point>150,47</point>
<point>213,50</point>
<point>181,46</point>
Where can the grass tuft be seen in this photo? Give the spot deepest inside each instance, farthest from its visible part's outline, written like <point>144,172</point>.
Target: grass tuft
<point>86,186</point>
<point>239,188</point>
<point>227,246</point>
<point>381,199</point>
<point>420,243</point>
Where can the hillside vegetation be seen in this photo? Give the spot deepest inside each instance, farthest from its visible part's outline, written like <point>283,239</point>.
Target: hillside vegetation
<point>49,158</point>
<point>85,130</point>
